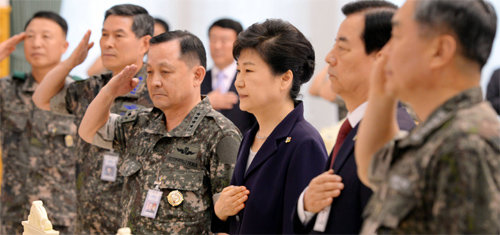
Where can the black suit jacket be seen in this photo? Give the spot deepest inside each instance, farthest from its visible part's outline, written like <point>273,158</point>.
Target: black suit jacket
<point>243,120</point>
<point>493,91</point>
<point>347,209</point>
<point>289,158</point>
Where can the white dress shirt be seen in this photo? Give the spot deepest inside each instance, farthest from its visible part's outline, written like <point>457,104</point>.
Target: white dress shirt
<point>251,156</point>
<point>229,73</point>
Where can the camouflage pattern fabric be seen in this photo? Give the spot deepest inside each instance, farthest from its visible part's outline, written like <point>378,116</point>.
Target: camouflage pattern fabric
<point>98,209</point>
<point>38,157</point>
<point>196,158</point>
<point>444,177</point>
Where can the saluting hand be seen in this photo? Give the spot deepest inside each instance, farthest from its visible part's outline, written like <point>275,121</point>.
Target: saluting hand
<point>9,45</point>
<point>123,82</point>
<point>379,83</point>
<point>321,191</point>
<point>81,51</point>
<point>232,200</point>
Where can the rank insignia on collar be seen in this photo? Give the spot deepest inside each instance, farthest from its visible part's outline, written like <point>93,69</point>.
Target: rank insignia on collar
<point>185,151</point>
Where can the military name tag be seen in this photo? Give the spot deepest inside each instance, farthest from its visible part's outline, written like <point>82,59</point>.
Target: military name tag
<point>151,203</point>
<point>109,166</point>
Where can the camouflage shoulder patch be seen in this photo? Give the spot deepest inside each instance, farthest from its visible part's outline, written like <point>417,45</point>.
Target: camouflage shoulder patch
<point>19,75</point>
<point>227,148</point>
<point>133,114</point>
<point>129,167</point>
<point>130,115</point>
<point>223,122</point>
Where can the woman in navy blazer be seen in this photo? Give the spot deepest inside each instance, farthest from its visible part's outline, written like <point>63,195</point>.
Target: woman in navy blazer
<point>282,152</point>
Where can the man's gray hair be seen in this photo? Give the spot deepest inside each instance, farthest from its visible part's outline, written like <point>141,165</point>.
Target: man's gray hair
<point>472,22</point>
<point>143,23</point>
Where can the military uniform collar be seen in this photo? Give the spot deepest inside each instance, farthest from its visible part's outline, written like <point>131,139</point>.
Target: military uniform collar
<point>442,114</point>
<point>30,84</point>
<point>187,126</point>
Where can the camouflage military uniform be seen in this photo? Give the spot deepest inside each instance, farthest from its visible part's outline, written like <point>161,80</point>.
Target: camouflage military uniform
<point>38,157</point>
<point>196,158</point>
<point>444,177</point>
<point>98,200</point>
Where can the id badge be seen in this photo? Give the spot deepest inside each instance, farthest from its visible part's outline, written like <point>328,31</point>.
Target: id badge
<point>109,166</point>
<point>152,203</point>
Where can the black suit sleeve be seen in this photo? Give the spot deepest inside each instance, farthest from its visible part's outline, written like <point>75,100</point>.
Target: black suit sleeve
<point>300,228</point>
<point>219,226</point>
<point>493,91</point>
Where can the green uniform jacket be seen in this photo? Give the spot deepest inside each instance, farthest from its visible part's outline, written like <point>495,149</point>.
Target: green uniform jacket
<point>444,177</point>
<point>98,200</point>
<point>37,154</point>
<point>196,158</point>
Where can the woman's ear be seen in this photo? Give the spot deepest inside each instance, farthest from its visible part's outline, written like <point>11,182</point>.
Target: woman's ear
<point>286,80</point>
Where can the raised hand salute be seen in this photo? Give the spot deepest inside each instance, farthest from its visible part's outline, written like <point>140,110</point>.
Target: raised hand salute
<point>56,77</point>
<point>98,111</point>
<point>9,45</point>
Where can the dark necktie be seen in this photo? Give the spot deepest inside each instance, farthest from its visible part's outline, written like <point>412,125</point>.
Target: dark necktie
<point>343,132</point>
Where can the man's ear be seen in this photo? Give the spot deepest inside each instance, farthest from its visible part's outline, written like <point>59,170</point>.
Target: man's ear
<point>443,50</point>
<point>199,75</point>
<point>374,55</point>
<point>65,46</point>
<point>144,47</point>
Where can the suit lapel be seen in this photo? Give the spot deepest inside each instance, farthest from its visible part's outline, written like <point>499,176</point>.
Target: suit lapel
<point>279,133</point>
<point>265,152</point>
<point>345,150</point>
<point>241,162</point>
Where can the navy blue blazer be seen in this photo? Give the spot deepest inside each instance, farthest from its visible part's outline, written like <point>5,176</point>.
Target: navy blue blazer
<point>243,120</point>
<point>347,209</point>
<point>291,156</point>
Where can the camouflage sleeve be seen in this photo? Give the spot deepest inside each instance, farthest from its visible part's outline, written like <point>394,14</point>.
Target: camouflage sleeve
<point>75,98</point>
<point>379,166</point>
<point>223,161</point>
<point>6,84</point>
<point>381,162</point>
<point>465,182</point>
<point>123,128</point>
<point>58,102</point>
<point>2,92</point>
<point>105,136</point>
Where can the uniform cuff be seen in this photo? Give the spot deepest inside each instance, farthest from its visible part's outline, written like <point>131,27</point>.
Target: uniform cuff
<point>104,137</point>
